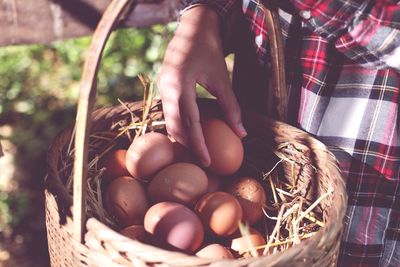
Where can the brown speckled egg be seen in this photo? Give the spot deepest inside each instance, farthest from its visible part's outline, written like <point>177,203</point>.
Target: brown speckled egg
<point>176,225</point>
<point>215,251</point>
<point>126,200</point>
<point>220,213</point>
<point>251,196</point>
<point>148,154</point>
<point>181,182</point>
<point>114,162</point>
<point>224,146</point>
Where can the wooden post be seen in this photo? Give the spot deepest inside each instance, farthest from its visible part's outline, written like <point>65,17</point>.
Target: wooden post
<point>45,21</point>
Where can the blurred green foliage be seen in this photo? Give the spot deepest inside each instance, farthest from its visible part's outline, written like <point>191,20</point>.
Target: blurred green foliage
<point>47,76</point>
<point>13,208</point>
<point>39,86</point>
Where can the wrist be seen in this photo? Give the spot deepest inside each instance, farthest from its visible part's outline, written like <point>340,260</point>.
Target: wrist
<point>200,20</point>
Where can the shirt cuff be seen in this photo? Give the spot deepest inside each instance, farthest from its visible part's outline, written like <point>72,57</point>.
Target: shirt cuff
<point>190,7</point>
<point>222,7</point>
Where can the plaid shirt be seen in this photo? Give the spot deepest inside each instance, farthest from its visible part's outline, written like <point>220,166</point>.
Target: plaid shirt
<point>342,65</point>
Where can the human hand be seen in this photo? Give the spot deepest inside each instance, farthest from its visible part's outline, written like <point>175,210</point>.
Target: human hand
<point>195,55</point>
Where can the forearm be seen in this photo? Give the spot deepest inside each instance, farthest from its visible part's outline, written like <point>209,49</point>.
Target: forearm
<point>200,20</point>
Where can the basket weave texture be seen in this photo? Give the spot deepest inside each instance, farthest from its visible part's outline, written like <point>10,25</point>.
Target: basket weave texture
<point>317,171</point>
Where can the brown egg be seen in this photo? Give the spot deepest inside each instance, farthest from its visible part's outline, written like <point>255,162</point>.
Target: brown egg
<point>242,244</point>
<point>225,147</point>
<point>148,154</point>
<point>251,196</point>
<point>126,200</point>
<point>215,251</point>
<point>182,154</point>
<point>114,162</point>
<point>220,213</point>
<point>175,225</point>
<point>135,232</point>
<point>181,182</point>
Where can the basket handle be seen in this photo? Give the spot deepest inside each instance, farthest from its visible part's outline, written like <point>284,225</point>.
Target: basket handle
<point>88,92</point>
<point>87,95</point>
<point>277,59</point>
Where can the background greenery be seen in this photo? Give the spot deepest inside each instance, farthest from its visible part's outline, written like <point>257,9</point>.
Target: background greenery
<point>38,96</point>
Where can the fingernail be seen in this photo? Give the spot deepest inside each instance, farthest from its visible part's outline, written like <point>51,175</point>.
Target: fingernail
<point>205,162</point>
<point>242,130</point>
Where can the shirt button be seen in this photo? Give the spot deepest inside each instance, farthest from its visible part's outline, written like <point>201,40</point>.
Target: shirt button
<point>259,40</point>
<point>305,14</point>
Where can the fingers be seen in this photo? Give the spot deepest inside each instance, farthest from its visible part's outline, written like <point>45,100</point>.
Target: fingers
<point>191,120</point>
<point>222,90</point>
<point>181,114</point>
<point>231,109</point>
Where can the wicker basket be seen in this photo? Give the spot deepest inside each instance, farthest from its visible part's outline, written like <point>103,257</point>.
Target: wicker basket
<point>75,240</point>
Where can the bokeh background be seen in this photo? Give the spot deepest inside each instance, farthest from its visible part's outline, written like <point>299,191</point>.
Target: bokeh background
<point>39,87</point>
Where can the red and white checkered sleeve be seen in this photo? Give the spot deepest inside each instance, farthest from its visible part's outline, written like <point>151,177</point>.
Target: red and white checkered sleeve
<point>367,32</point>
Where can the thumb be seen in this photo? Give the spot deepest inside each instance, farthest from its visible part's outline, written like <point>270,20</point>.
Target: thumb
<point>230,107</point>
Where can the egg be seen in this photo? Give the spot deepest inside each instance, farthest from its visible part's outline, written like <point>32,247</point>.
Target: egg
<point>148,154</point>
<point>215,251</point>
<point>242,244</point>
<point>181,182</point>
<point>220,213</point>
<point>224,146</point>
<point>135,232</point>
<point>114,164</point>
<point>251,196</point>
<point>126,200</point>
<point>176,225</point>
